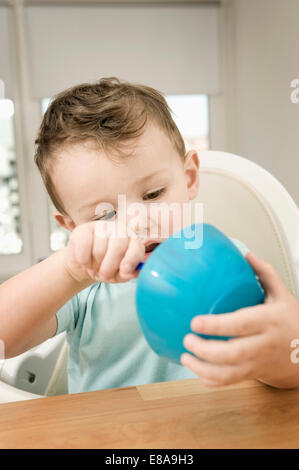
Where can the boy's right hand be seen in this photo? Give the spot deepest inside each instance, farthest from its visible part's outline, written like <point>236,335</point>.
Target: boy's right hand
<point>95,252</point>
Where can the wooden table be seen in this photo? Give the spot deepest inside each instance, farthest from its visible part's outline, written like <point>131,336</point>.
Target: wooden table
<point>169,415</point>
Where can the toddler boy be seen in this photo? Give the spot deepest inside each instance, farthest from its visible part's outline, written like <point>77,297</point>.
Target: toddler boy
<point>95,143</point>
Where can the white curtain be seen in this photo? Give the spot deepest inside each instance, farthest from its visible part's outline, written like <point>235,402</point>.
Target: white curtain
<point>172,48</point>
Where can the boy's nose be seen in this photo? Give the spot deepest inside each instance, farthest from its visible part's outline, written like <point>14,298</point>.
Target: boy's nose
<point>140,229</point>
<point>142,226</point>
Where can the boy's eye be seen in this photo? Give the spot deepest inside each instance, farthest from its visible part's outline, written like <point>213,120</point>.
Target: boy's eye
<point>107,215</point>
<point>154,194</point>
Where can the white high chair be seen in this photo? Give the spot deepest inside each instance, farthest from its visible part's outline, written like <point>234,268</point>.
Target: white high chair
<point>240,198</point>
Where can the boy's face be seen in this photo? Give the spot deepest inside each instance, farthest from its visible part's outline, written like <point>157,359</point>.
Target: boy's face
<point>88,182</point>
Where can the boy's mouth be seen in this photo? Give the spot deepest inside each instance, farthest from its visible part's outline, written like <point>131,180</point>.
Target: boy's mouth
<point>149,248</point>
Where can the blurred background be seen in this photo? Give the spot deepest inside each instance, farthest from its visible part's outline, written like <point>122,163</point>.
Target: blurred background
<point>228,68</point>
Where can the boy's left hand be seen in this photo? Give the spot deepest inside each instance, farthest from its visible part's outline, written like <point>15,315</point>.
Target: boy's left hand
<point>261,347</point>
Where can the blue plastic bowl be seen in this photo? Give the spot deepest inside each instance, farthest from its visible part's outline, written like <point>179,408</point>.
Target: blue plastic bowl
<point>177,283</point>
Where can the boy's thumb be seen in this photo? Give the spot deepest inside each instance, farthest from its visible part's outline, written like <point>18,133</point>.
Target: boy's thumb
<point>268,275</point>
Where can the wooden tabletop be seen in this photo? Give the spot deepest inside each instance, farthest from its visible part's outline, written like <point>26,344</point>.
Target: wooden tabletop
<point>179,414</point>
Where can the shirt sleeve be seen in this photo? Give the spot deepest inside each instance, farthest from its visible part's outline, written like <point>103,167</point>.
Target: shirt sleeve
<point>67,316</point>
<point>241,246</point>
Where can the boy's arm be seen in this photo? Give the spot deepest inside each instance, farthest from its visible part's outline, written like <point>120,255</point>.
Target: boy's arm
<point>29,302</point>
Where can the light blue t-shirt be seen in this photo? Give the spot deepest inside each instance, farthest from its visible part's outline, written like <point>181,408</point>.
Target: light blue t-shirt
<point>106,346</point>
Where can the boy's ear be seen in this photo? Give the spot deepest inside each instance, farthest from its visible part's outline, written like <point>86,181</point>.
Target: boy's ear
<point>65,221</point>
<point>191,169</point>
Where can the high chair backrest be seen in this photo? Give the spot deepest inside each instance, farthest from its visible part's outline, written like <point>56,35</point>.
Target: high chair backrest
<point>246,202</point>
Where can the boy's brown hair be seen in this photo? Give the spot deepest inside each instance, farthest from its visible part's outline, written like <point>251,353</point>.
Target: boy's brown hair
<point>110,112</point>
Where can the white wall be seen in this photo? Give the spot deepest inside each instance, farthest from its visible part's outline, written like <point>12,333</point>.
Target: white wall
<point>264,123</point>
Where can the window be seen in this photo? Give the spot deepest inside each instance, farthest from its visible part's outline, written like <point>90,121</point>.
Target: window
<point>191,115</point>
<point>10,226</point>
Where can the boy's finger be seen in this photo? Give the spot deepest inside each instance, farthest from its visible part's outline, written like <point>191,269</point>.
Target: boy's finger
<point>134,255</point>
<point>99,250</point>
<point>221,374</point>
<point>268,275</point>
<point>83,244</point>
<point>244,322</point>
<point>110,265</point>
<point>232,352</point>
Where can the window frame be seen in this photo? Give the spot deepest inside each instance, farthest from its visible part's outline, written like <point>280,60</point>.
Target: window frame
<point>33,197</point>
